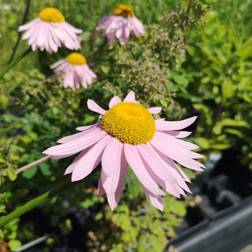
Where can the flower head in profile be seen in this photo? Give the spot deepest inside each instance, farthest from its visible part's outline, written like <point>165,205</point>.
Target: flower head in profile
<point>49,31</point>
<point>128,135</point>
<point>73,71</point>
<point>121,25</point>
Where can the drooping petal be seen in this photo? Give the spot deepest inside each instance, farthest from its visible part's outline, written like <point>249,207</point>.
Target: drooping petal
<point>120,28</point>
<point>111,158</point>
<point>28,25</point>
<point>93,106</point>
<point>137,26</point>
<point>181,147</point>
<point>70,168</point>
<point>158,171</point>
<point>73,76</point>
<point>177,156</point>
<point>171,169</point>
<point>49,36</point>
<point>136,164</point>
<point>156,201</point>
<point>86,164</point>
<point>176,171</point>
<point>111,166</point>
<point>122,178</point>
<point>176,142</point>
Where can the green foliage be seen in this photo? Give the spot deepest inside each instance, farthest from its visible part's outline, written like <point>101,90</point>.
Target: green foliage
<point>218,72</point>
<point>194,57</point>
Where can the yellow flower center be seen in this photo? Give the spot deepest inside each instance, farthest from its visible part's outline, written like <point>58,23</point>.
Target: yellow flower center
<point>51,15</point>
<point>123,10</point>
<point>76,59</point>
<point>129,122</point>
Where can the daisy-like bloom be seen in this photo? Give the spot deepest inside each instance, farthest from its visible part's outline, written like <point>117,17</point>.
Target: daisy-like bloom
<point>49,31</point>
<point>121,25</point>
<point>73,71</point>
<point>127,134</point>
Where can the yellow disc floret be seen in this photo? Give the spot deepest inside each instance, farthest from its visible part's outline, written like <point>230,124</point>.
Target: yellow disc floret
<point>76,59</point>
<point>129,122</point>
<point>51,15</point>
<point>123,10</point>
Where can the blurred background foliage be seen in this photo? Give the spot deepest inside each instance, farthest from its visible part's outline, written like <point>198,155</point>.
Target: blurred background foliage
<point>195,58</point>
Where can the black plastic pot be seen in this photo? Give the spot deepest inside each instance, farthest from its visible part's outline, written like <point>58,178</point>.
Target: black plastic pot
<point>222,221</point>
<point>226,231</point>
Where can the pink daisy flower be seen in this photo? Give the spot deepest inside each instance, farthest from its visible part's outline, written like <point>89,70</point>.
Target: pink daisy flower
<point>121,25</point>
<point>49,31</point>
<point>73,71</point>
<point>127,134</point>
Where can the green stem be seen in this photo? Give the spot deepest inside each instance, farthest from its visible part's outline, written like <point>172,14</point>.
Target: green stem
<point>14,62</point>
<point>25,17</point>
<point>61,186</point>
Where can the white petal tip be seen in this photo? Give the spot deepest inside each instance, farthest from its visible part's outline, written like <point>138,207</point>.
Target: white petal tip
<point>89,103</point>
<point>46,152</point>
<point>194,118</point>
<point>74,179</point>
<point>130,97</point>
<point>112,205</point>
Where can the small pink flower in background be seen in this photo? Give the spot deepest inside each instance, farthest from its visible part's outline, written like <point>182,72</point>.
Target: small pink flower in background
<point>49,31</point>
<point>121,25</point>
<point>127,134</point>
<point>73,71</point>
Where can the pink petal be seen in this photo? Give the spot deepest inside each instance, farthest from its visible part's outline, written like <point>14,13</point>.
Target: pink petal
<point>86,164</point>
<point>70,168</point>
<point>111,158</point>
<point>51,42</point>
<point>171,169</point>
<point>111,166</point>
<point>136,164</point>
<point>176,172</point>
<point>156,201</point>
<point>176,155</point>
<point>172,140</point>
<point>158,171</point>
<point>174,125</point>
<point>155,110</point>
<point>76,145</point>
<point>137,26</point>
<point>74,29</point>
<point>83,128</point>
<point>122,178</point>
<point>93,106</point>
<point>179,134</point>
<point>57,64</point>
<point>181,147</point>
<point>28,25</point>
<point>67,139</point>
<point>130,97</point>
<point>115,100</point>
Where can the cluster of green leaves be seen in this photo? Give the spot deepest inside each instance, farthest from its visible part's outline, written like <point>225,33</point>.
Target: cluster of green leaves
<point>217,78</point>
